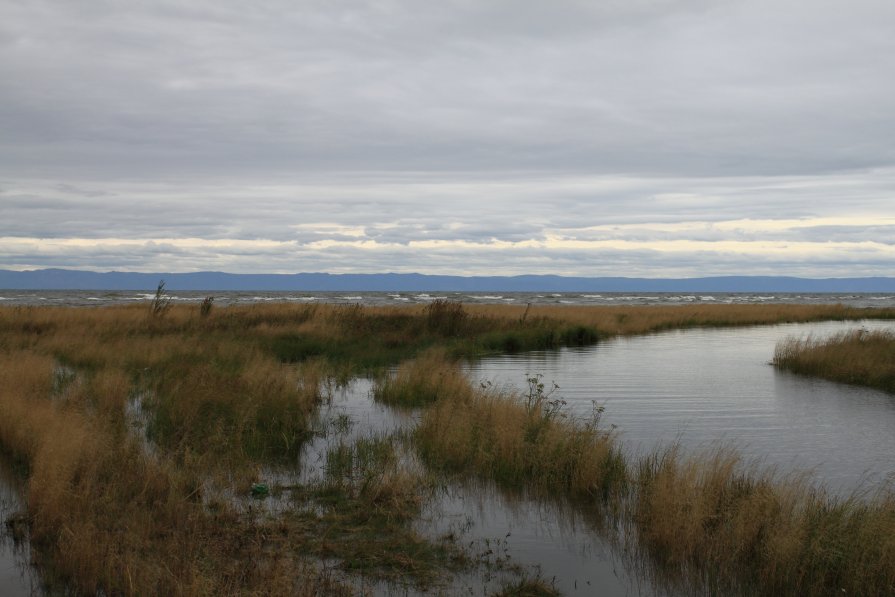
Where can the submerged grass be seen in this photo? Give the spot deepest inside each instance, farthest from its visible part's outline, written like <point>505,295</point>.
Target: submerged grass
<point>528,587</point>
<point>361,514</point>
<point>226,392</point>
<point>859,357</point>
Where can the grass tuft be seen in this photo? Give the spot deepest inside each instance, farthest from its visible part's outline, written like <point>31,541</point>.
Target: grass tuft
<point>421,381</point>
<point>522,441</point>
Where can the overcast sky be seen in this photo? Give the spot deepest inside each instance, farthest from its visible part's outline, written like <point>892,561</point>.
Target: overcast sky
<point>655,138</point>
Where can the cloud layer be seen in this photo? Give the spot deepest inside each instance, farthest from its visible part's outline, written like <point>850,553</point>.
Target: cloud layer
<point>678,138</point>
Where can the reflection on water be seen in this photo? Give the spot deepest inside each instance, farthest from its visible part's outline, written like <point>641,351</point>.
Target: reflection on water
<point>348,414</point>
<point>508,535</point>
<point>704,385</point>
<point>545,538</point>
<point>17,577</point>
<point>695,387</point>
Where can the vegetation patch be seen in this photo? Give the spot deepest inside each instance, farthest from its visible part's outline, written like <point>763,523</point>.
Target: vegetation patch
<point>704,522</point>
<point>859,357</point>
<point>522,441</point>
<point>422,381</point>
<point>707,521</point>
<point>528,587</point>
<point>361,512</point>
<point>225,393</point>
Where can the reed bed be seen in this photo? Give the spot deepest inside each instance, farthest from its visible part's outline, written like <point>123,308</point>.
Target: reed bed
<point>127,421</point>
<point>642,319</point>
<point>709,521</point>
<point>105,516</point>
<point>521,443</point>
<point>705,522</point>
<point>859,357</point>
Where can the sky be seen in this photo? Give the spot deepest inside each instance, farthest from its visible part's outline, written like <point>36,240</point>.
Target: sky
<point>664,138</point>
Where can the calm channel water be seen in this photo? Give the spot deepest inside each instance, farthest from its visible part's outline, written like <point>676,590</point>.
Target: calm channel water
<point>704,386</point>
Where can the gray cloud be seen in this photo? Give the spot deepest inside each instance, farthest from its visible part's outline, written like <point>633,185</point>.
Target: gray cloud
<point>471,123</point>
<point>696,87</point>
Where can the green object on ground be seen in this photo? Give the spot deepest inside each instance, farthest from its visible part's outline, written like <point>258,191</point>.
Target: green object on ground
<point>260,490</point>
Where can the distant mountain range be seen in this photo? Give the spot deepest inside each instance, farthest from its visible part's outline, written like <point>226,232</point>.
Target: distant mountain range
<point>62,279</point>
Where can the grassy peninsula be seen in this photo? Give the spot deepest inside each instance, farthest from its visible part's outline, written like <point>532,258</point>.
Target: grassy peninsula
<point>858,357</point>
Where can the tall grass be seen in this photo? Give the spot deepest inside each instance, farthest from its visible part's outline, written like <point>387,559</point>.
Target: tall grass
<point>521,442</point>
<point>858,357</point>
<point>106,517</point>
<point>706,522</point>
<point>256,405</point>
<point>421,381</point>
<point>709,521</point>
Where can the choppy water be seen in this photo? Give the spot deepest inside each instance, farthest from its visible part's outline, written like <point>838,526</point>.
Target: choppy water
<point>97,298</point>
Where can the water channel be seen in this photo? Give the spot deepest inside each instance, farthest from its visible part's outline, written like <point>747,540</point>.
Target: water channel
<point>704,386</point>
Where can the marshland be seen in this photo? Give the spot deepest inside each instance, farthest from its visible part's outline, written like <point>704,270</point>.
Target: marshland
<point>342,449</point>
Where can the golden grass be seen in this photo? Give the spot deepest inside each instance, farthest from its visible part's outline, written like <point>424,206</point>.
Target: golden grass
<point>105,515</point>
<point>857,357</point>
<point>705,522</point>
<point>640,319</point>
<point>709,520</point>
<point>423,380</point>
<point>521,443</point>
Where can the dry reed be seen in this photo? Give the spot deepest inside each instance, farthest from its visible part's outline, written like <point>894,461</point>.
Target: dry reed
<point>521,442</point>
<point>423,380</point>
<point>706,522</point>
<point>857,357</point>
